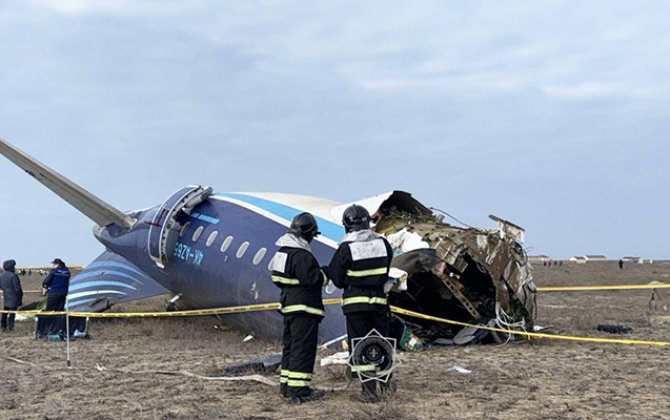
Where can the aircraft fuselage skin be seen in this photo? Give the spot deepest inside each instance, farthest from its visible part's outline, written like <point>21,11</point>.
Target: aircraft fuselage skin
<point>212,250</point>
<point>207,277</point>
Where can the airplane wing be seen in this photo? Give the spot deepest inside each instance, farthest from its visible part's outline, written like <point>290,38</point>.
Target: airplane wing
<point>108,280</point>
<point>93,207</point>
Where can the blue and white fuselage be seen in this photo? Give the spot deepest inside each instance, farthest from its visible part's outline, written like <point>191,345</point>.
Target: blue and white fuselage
<point>220,258</point>
<point>212,250</point>
<point>208,250</point>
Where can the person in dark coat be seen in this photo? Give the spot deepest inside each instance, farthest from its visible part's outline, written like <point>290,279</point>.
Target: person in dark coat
<point>296,272</point>
<point>10,284</point>
<point>57,284</point>
<point>360,266</point>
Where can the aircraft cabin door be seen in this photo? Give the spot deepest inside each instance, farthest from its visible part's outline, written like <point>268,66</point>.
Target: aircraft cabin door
<point>165,220</point>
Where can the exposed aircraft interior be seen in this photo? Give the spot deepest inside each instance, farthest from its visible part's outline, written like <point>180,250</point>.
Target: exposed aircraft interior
<point>460,273</point>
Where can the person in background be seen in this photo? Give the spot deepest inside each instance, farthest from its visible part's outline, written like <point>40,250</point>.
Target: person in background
<point>57,283</point>
<point>10,284</point>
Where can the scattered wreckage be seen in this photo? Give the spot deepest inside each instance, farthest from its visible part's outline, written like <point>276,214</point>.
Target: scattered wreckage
<point>194,247</point>
<point>467,274</point>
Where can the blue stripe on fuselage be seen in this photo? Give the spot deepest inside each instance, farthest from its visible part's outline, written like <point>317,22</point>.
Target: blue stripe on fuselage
<point>91,283</point>
<point>330,230</point>
<point>95,273</point>
<point>124,266</point>
<point>80,301</point>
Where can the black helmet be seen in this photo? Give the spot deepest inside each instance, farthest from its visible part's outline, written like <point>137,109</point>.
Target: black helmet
<point>304,225</point>
<point>355,218</point>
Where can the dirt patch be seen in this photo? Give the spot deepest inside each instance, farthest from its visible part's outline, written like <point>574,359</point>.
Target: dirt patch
<point>541,379</point>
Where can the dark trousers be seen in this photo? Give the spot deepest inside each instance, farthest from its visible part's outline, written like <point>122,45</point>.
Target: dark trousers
<point>7,320</point>
<point>56,302</point>
<point>359,324</point>
<point>297,363</point>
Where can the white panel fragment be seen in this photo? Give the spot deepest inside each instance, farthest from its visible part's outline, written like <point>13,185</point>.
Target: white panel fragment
<point>406,241</point>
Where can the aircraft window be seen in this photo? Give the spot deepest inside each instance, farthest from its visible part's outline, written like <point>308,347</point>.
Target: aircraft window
<point>226,243</point>
<point>259,256</point>
<point>197,233</point>
<point>243,248</point>
<point>211,238</point>
<point>184,229</point>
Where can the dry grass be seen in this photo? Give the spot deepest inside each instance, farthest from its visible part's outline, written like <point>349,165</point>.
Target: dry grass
<point>388,409</point>
<point>547,379</point>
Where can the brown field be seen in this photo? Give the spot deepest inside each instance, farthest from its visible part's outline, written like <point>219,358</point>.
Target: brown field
<point>539,379</point>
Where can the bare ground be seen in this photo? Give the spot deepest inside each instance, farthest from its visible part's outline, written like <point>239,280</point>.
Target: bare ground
<point>542,379</point>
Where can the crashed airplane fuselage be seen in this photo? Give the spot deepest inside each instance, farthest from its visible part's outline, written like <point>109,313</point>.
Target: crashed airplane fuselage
<point>212,250</point>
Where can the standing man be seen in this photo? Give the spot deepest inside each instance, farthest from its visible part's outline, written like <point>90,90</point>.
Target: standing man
<point>297,273</point>
<point>10,284</point>
<point>57,283</point>
<point>360,267</point>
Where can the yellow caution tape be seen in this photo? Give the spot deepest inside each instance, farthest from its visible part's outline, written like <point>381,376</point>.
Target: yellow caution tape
<point>274,306</point>
<point>559,288</point>
<point>531,334</point>
<point>603,287</point>
<point>191,312</point>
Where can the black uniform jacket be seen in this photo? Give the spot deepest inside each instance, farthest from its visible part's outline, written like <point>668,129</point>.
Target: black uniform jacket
<point>297,273</point>
<point>360,267</point>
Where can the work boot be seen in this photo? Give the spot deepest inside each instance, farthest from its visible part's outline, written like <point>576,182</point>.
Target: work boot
<point>388,389</point>
<point>365,397</point>
<point>368,393</point>
<point>311,395</point>
<point>283,390</point>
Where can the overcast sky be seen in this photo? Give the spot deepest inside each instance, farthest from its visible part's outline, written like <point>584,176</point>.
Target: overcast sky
<point>552,114</point>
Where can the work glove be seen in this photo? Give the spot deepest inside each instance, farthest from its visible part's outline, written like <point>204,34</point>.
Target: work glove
<point>397,281</point>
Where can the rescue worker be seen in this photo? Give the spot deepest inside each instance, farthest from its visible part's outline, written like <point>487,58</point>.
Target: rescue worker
<point>57,283</point>
<point>360,266</point>
<point>10,284</point>
<point>297,273</point>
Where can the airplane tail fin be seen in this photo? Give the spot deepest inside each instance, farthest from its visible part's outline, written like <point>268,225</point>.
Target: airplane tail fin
<point>108,280</point>
<point>93,207</point>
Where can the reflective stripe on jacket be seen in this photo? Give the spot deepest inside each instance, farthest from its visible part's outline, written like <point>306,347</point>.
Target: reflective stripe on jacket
<point>297,273</point>
<point>360,267</point>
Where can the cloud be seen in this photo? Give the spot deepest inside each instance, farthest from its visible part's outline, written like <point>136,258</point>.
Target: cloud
<point>468,98</point>
<point>558,48</point>
<point>596,90</point>
<point>79,8</point>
